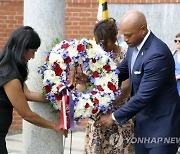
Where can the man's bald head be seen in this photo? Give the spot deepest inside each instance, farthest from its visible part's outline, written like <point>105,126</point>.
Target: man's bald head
<point>134,18</point>
<point>134,27</point>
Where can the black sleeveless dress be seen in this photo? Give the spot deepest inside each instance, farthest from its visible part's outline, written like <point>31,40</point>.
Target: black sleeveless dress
<point>6,109</point>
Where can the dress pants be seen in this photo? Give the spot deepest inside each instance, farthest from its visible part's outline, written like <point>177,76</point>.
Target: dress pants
<point>168,149</point>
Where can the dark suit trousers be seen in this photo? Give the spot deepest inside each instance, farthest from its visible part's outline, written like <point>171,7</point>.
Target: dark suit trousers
<point>169,149</point>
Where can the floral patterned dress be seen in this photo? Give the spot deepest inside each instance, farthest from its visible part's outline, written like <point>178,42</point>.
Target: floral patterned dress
<point>113,140</point>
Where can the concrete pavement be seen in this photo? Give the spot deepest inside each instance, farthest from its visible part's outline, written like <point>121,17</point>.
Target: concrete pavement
<point>15,145</point>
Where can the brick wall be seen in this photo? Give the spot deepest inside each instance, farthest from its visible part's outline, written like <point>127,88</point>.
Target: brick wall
<point>80,17</point>
<point>11,17</point>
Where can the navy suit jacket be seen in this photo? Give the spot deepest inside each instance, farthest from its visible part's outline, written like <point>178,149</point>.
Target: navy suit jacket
<point>155,102</point>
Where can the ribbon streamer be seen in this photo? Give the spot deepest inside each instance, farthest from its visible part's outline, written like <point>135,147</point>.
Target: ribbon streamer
<point>67,107</point>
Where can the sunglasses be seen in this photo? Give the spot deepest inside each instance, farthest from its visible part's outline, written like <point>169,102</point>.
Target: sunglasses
<point>177,41</point>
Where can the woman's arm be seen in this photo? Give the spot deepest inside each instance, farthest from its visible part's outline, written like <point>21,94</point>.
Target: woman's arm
<point>33,96</point>
<point>18,99</point>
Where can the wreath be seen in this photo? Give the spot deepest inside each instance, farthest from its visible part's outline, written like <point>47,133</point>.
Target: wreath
<point>94,62</point>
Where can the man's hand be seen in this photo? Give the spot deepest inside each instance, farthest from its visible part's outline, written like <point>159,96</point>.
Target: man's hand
<point>104,121</point>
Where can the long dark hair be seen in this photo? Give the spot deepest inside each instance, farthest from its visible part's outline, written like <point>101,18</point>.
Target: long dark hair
<point>104,30</point>
<point>12,56</point>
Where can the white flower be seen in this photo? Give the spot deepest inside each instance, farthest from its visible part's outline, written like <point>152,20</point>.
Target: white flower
<point>48,75</point>
<point>91,53</point>
<point>104,100</point>
<point>113,77</point>
<point>52,58</point>
<point>56,81</point>
<point>103,82</point>
<point>54,89</point>
<point>101,62</point>
<point>112,64</point>
<point>78,113</point>
<point>88,112</point>
<point>73,52</point>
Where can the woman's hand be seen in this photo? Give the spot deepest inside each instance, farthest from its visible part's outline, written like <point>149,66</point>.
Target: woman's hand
<point>61,131</point>
<point>81,78</point>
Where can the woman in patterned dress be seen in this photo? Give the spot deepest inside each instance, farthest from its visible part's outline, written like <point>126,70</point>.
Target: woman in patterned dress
<point>115,139</point>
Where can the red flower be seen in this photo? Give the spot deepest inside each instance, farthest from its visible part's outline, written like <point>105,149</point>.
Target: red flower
<point>99,87</point>
<point>64,46</point>
<point>112,87</point>
<point>93,92</point>
<point>58,97</point>
<point>57,69</point>
<point>95,74</point>
<point>48,88</point>
<point>93,60</point>
<point>87,105</point>
<point>94,110</point>
<point>107,68</point>
<point>67,60</point>
<point>96,101</point>
<point>80,48</point>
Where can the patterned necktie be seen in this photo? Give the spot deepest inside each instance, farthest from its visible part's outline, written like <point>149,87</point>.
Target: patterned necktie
<point>134,56</point>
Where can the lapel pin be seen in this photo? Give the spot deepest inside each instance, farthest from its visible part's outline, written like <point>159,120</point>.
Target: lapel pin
<point>142,53</point>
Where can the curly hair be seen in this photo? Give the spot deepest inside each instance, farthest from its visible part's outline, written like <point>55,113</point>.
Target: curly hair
<point>104,30</point>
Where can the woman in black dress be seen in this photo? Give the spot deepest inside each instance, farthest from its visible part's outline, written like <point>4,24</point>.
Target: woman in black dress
<point>21,47</point>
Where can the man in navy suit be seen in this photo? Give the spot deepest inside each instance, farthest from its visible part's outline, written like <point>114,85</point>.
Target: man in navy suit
<point>155,103</point>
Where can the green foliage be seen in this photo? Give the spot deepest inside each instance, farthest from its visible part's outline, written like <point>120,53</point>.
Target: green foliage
<point>54,43</point>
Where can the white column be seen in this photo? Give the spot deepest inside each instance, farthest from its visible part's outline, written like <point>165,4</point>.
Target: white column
<point>47,18</point>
